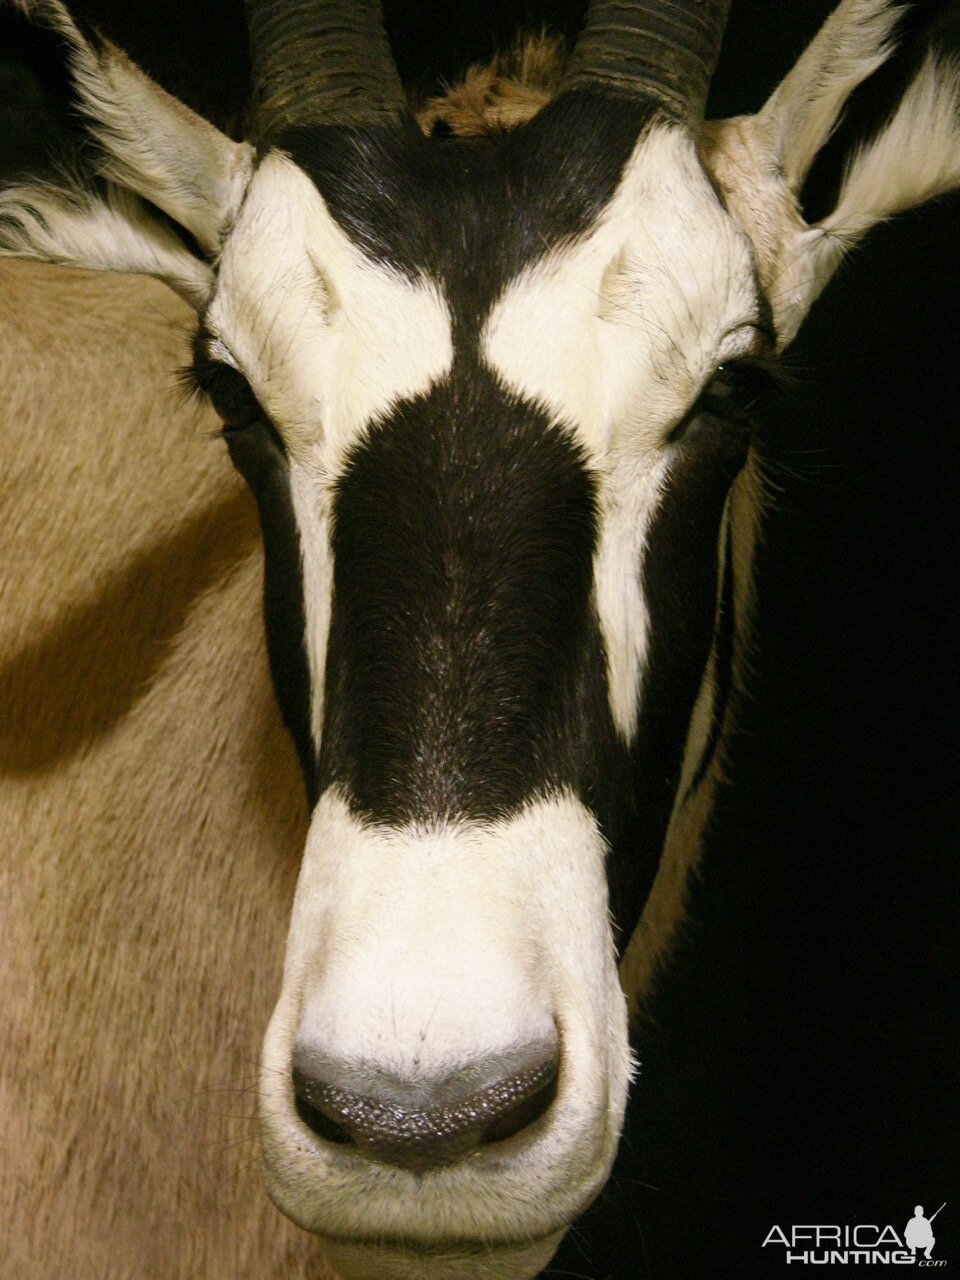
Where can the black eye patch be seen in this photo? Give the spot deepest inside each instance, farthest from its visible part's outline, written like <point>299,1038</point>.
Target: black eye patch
<point>257,452</point>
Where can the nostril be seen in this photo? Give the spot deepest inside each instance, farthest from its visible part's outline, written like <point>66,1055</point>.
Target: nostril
<point>322,1125</point>
<point>425,1124</point>
<point>525,1110</point>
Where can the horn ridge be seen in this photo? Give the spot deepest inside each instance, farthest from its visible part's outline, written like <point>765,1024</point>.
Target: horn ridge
<point>320,62</point>
<point>665,49</point>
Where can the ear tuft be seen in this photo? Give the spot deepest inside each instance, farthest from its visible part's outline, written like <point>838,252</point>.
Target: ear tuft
<point>759,162</point>
<point>157,147</point>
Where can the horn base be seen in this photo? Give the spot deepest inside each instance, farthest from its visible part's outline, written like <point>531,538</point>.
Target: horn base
<point>320,62</point>
<point>664,49</point>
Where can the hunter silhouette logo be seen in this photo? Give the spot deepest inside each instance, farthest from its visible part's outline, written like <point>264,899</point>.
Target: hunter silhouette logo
<point>829,1244</point>
<point>919,1233</point>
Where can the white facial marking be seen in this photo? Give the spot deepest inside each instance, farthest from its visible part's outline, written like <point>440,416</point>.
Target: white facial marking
<point>629,497</point>
<point>617,334</point>
<point>425,950</point>
<point>422,950</point>
<point>312,499</point>
<point>328,339</point>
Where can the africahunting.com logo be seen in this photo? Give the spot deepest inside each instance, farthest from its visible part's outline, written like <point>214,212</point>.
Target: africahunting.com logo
<point>829,1245</point>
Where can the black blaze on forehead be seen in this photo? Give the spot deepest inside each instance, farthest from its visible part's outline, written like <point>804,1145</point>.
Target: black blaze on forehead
<point>465,669</point>
<point>473,212</point>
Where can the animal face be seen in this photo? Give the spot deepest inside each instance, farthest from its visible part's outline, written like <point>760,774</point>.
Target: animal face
<point>476,423</point>
<point>491,397</point>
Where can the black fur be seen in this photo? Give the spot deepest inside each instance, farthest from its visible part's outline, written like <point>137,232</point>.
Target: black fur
<point>723,668</point>
<point>679,572</point>
<point>465,667</point>
<point>466,670</point>
<point>259,456</point>
<point>473,213</point>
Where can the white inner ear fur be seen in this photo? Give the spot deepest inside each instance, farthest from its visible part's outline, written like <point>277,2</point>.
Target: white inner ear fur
<point>328,338</point>
<point>915,158</point>
<point>803,110</point>
<point>760,161</point>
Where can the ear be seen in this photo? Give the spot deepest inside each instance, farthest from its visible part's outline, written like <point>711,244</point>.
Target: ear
<point>135,154</point>
<point>760,162</point>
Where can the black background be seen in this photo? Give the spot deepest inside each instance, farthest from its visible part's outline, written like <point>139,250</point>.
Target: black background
<point>801,1065</point>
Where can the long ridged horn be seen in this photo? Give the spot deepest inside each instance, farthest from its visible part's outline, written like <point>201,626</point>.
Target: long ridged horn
<point>320,62</point>
<point>665,49</point>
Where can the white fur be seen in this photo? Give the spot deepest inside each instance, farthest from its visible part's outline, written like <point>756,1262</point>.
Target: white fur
<point>154,147</point>
<point>116,233</point>
<point>629,498</point>
<point>617,333</point>
<point>760,161</point>
<point>160,149</point>
<point>916,157</point>
<point>520,1262</point>
<point>422,950</point>
<point>329,339</point>
<point>802,112</point>
<point>311,507</point>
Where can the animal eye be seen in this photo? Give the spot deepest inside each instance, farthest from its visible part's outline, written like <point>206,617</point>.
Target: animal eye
<point>730,397</point>
<point>229,393</point>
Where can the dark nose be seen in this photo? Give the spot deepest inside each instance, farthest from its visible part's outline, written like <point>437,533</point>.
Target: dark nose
<point>421,1125</point>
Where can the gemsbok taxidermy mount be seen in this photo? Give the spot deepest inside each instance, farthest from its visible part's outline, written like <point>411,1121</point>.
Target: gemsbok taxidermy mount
<point>491,387</point>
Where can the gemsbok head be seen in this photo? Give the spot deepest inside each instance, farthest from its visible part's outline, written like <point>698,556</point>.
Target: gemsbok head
<point>493,398</point>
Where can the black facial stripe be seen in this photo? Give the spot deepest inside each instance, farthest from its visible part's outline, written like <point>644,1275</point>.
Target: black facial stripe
<point>679,574</point>
<point>258,455</point>
<point>723,668</point>
<point>465,669</point>
<point>472,213</point>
